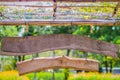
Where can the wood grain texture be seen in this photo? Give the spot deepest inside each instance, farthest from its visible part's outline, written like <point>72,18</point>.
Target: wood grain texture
<point>39,64</point>
<point>61,22</point>
<point>62,0</point>
<point>37,44</point>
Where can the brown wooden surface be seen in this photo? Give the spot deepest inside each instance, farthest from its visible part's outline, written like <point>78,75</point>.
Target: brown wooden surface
<point>37,44</point>
<point>39,64</point>
<point>63,0</point>
<point>61,22</point>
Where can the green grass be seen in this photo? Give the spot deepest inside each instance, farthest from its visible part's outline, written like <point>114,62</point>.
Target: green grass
<point>94,76</point>
<point>46,76</point>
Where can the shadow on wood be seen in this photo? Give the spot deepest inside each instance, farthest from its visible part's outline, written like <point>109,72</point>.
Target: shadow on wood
<point>37,44</point>
<point>39,64</point>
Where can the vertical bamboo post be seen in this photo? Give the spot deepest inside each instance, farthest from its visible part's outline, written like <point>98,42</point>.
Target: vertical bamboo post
<point>91,30</point>
<point>54,9</point>
<point>27,29</point>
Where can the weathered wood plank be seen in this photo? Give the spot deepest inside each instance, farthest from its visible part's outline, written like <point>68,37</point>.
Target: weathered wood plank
<point>36,44</point>
<point>39,64</point>
<point>61,22</point>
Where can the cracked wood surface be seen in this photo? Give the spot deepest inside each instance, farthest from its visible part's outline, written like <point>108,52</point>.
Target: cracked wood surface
<point>38,64</point>
<point>37,44</point>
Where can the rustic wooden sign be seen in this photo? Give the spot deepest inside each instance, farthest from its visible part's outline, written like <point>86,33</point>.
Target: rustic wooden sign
<point>36,44</point>
<point>39,64</point>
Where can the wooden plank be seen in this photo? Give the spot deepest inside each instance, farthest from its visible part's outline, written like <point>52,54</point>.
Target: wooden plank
<point>38,44</point>
<point>61,0</point>
<point>39,64</point>
<point>61,22</point>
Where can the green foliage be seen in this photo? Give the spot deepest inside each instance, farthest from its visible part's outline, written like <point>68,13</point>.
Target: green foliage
<point>82,30</point>
<point>94,76</point>
<point>11,75</point>
<point>46,76</point>
<point>66,73</point>
<point>8,31</point>
<point>117,40</point>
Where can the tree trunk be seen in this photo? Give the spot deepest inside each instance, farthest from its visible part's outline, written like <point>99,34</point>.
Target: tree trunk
<point>35,74</point>
<point>111,66</point>
<point>67,71</point>
<point>23,58</point>
<point>14,62</point>
<point>68,52</point>
<point>106,65</point>
<point>53,73</point>
<point>100,68</point>
<point>19,58</point>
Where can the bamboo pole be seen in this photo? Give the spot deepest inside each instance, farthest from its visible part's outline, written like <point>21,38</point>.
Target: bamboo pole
<point>27,28</point>
<point>61,22</point>
<point>62,14</point>
<point>61,0</point>
<point>26,5</point>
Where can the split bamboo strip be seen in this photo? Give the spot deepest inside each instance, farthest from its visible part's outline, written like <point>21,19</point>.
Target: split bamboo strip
<point>38,64</point>
<point>60,14</point>
<point>25,5</point>
<point>37,44</point>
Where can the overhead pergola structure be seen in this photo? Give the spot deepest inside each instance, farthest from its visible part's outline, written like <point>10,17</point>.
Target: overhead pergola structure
<point>57,13</point>
<point>60,12</point>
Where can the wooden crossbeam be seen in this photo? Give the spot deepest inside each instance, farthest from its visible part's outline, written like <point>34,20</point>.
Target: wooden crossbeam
<point>61,0</point>
<point>31,45</point>
<point>61,22</point>
<point>39,64</point>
